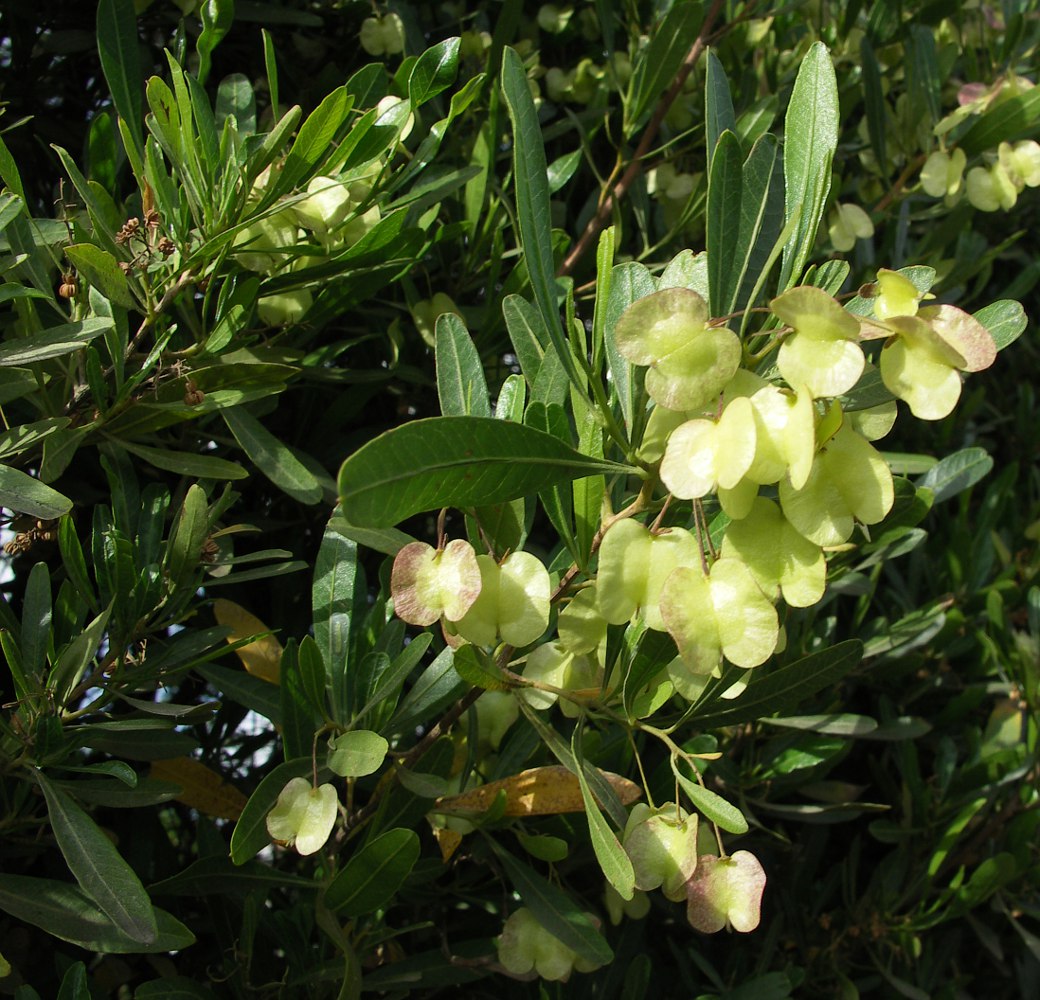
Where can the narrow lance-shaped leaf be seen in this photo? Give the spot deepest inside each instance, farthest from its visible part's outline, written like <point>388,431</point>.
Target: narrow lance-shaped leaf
<point>458,462</point>
<point>761,219</point>
<point>712,806</point>
<point>100,269</point>
<point>532,204</point>
<point>614,862</point>
<point>371,878</point>
<point>250,835</point>
<point>783,689</point>
<point>20,492</point>
<point>52,343</point>
<point>272,456</point>
<point>461,386</point>
<point>217,17</point>
<point>433,71</point>
<point>725,185</point>
<point>659,62</point>
<point>36,622</point>
<point>810,138</point>
<point>719,116</point>
<point>121,61</point>
<point>555,910</point>
<point>338,584</point>
<point>98,867</point>
<point>65,912</point>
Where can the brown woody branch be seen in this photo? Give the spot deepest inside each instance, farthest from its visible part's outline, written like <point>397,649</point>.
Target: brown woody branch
<point>614,195</point>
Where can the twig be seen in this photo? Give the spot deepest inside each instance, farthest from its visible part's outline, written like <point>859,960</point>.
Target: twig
<point>146,324</point>
<point>615,194</point>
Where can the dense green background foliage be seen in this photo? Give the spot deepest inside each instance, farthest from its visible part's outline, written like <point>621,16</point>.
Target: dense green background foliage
<point>173,460</point>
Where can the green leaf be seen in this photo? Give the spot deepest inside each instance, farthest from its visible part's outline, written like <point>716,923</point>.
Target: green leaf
<point>723,218</point>
<point>555,910</point>
<point>719,116</point>
<point>783,689</point>
<point>461,386</point>
<point>250,692</point>
<point>527,334</point>
<point>338,585</point>
<point>357,753</point>
<point>313,676</point>
<point>543,847</point>
<point>233,311</point>
<point>843,724</point>
<point>52,343</point>
<point>712,806</point>
<point>74,984</point>
<point>601,788</point>
<point>389,683</point>
<point>1006,321</point>
<point>874,101</point>
<point>761,219</point>
<point>98,867</point>
<point>74,659</point>
<point>477,668</point>
<point>532,205</point>
<point>956,473</point>
<point>433,72</point>
<point>250,834</point>
<point>121,62</point>
<point>100,269</point>
<point>613,861</point>
<point>217,876</point>
<point>437,687</point>
<point>235,99</point>
<point>457,462</point>
<point>184,549</point>
<point>37,611</point>
<point>65,912</point>
<point>371,878</point>
<point>217,17</point>
<point>298,717</point>
<point>1013,118</point>
<point>186,463</point>
<point>629,281</point>
<point>922,71</point>
<point>657,64</point>
<point>9,171</point>
<point>314,141</point>
<point>810,138</point>
<point>173,988</point>
<point>272,457</point>
<point>22,493</point>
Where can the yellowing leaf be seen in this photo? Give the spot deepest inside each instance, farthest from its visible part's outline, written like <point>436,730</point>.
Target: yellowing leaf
<point>448,841</point>
<point>201,787</point>
<point>538,791</point>
<point>262,658</point>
